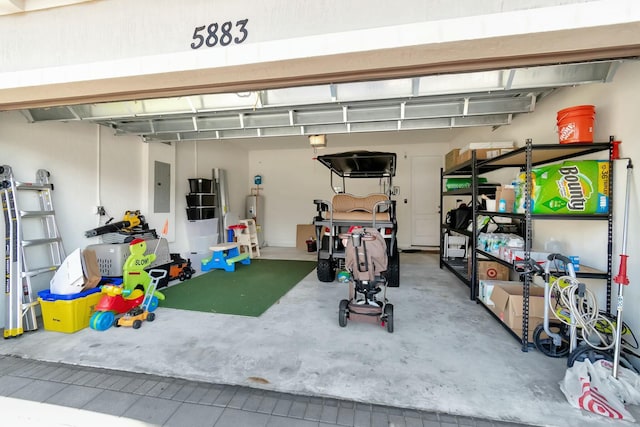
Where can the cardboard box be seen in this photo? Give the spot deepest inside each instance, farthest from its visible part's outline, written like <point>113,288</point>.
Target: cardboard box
<point>490,270</point>
<point>486,288</point>
<point>481,154</point>
<point>303,233</point>
<point>538,257</point>
<point>508,306</point>
<point>451,159</point>
<point>487,145</point>
<point>507,194</point>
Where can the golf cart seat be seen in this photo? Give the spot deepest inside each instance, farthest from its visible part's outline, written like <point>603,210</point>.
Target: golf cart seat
<point>349,207</point>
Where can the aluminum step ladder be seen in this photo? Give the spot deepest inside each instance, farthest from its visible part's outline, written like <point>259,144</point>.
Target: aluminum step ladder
<point>33,246</point>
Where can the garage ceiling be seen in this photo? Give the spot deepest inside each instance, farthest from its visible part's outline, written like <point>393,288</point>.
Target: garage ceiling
<point>486,98</point>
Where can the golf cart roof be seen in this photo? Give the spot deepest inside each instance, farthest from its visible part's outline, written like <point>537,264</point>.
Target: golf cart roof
<point>361,164</point>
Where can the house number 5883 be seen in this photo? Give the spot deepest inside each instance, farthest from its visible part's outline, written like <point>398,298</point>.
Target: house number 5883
<point>220,34</point>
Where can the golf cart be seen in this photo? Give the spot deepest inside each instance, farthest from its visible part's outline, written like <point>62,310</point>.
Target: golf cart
<point>346,211</point>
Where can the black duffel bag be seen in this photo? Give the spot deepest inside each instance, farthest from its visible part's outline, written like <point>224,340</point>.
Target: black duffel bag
<point>460,218</point>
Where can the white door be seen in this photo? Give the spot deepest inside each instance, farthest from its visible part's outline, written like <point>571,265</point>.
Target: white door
<point>425,200</point>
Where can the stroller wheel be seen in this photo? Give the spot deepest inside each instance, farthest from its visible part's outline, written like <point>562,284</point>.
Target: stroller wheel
<point>388,316</point>
<point>545,344</point>
<point>343,313</point>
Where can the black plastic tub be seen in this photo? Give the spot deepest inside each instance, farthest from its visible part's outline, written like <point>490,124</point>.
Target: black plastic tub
<point>196,200</point>
<point>200,213</point>
<point>200,185</point>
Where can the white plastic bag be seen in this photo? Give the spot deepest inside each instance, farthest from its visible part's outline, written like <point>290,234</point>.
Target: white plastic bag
<point>69,277</point>
<point>592,388</point>
<point>626,386</point>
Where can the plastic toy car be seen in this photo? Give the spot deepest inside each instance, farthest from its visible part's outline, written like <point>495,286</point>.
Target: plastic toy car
<point>113,303</point>
<point>180,268</point>
<point>134,318</point>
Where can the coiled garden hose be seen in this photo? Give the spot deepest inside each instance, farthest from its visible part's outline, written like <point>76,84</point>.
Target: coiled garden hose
<point>577,306</point>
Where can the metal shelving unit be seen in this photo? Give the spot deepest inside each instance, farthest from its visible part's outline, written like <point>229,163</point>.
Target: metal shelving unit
<point>525,158</point>
<point>459,266</point>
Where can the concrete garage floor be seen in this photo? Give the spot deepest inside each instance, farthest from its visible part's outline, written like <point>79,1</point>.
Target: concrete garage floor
<point>447,354</point>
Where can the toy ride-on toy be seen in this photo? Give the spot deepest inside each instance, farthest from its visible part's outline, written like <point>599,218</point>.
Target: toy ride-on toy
<point>366,262</point>
<point>180,268</point>
<point>374,211</point>
<point>136,315</point>
<point>117,300</point>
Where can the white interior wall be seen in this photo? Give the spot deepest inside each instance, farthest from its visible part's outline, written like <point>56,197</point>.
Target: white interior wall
<point>617,115</point>
<point>88,166</point>
<point>292,179</point>
<point>196,160</point>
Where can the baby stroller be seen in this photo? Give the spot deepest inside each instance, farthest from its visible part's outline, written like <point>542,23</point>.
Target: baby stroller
<point>365,260</point>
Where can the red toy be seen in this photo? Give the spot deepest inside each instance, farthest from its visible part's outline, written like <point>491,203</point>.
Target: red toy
<point>113,302</point>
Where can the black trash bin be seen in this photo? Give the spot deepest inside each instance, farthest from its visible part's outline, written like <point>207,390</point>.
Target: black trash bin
<point>311,245</point>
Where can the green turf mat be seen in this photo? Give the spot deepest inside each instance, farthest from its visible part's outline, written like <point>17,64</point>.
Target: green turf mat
<point>248,291</point>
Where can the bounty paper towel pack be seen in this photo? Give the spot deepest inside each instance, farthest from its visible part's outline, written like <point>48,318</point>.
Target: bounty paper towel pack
<point>572,187</point>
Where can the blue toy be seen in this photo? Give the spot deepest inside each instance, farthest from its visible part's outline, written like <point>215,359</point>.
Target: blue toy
<point>225,256</point>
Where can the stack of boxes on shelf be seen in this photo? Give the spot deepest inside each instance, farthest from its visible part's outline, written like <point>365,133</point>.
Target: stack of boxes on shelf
<point>202,225</point>
<point>484,150</point>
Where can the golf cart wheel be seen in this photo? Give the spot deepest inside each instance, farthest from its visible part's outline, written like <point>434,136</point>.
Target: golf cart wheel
<point>326,270</point>
<point>393,270</point>
<point>188,272</point>
<point>136,324</point>
<point>545,344</point>
<point>388,314</point>
<point>323,245</point>
<point>151,317</point>
<point>343,313</point>
<point>181,276</point>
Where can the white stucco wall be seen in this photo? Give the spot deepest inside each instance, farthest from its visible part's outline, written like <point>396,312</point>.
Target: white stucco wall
<point>155,36</point>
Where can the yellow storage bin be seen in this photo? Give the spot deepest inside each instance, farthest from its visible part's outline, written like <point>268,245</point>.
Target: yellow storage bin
<point>68,313</point>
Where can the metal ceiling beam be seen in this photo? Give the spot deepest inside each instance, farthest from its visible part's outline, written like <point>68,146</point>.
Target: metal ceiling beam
<point>485,98</point>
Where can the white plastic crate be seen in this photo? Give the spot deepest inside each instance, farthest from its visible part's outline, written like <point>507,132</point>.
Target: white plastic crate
<point>455,246</point>
<point>201,244</point>
<point>112,256</point>
<point>202,227</point>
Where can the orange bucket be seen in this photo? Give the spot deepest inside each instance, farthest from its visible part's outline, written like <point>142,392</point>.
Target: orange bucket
<point>575,124</point>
